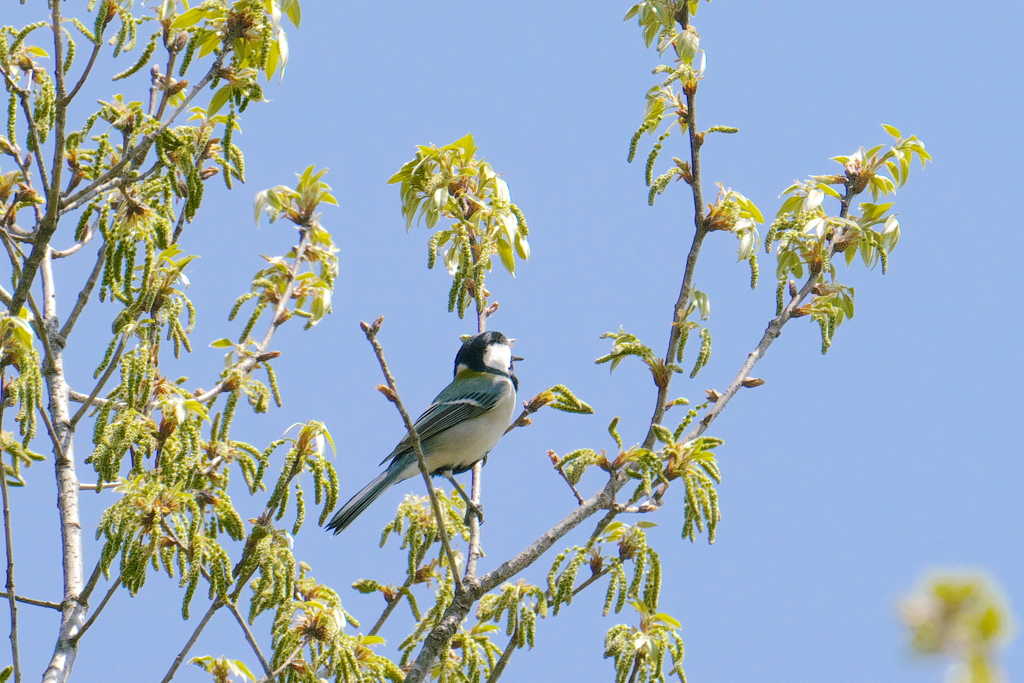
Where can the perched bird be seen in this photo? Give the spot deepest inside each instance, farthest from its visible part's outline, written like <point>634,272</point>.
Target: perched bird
<point>459,428</point>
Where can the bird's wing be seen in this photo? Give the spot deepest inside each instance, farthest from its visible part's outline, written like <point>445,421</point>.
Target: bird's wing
<point>472,397</point>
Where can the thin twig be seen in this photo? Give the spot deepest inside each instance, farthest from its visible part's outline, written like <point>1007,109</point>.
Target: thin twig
<point>111,366</point>
<point>288,662</point>
<point>214,606</point>
<point>392,604</point>
<point>371,335</point>
<point>90,232</point>
<point>33,601</point>
<point>250,638</point>
<point>132,155</point>
<point>499,666</point>
<point>772,333</point>
<point>579,498</point>
<point>97,46</point>
<point>9,546</point>
<point>246,364</point>
<point>103,603</point>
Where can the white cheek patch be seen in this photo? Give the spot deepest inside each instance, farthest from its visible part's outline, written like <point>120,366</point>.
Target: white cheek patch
<point>498,356</point>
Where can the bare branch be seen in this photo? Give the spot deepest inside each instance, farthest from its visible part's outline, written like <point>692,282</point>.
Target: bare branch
<point>499,667</point>
<point>9,547</point>
<point>90,232</point>
<point>250,639</point>
<point>97,46</point>
<point>93,487</point>
<point>111,366</point>
<point>33,601</point>
<point>287,662</point>
<point>83,296</point>
<point>214,606</point>
<point>371,335</point>
<point>103,603</point>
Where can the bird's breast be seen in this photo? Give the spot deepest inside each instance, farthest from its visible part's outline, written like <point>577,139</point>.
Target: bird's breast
<point>463,444</point>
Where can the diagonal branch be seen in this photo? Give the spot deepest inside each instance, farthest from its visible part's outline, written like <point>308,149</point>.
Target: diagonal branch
<point>250,638</point>
<point>103,603</point>
<point>246,364</point>
<point>772,333</point>
<point>214,606</point>
<point>83,296</point>
<point>371,335</point>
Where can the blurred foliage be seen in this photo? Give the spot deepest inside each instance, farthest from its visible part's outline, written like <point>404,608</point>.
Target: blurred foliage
<point>961,615</point>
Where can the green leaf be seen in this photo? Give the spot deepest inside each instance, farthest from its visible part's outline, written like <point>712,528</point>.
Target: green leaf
<point>222,343</point>
<point>507,258</point>
<point>243,669</point>
<point>219,99</point>
<point>668,619</point>
<point>189,18</point>
<point>892,130</point>
<point>294,12</point>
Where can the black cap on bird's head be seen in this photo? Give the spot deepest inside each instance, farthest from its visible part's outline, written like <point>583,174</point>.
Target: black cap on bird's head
<point>487,352</point>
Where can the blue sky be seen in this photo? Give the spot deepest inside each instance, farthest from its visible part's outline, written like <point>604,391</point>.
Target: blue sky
<point>846,476</point>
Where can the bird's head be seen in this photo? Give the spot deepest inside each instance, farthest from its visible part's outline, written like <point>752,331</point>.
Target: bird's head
<point>487,352</point>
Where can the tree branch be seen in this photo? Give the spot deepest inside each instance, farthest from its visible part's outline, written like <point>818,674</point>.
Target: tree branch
<point>83,296</point>
<point>371,336</point>
<point>287,662</point>
<point>58,424</point>
<point>700,232</point>
<point>250,639</point>
<point>214,606</point>
<point>9,546</point>
<point>103,603</point>
<point>33,601</point>
<point>246,364</point>
<point>135,154</point>
<point>772,333</point>
<point>499,667</point>
<point>111,366</point>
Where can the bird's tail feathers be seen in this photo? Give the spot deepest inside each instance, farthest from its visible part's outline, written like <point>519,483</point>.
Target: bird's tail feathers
<point>362,500</point>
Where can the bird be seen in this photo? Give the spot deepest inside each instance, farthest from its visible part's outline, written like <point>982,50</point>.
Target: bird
<point>461,426</point>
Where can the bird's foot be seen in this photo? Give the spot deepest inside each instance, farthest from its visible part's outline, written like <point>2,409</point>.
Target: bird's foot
<point>474,509</point>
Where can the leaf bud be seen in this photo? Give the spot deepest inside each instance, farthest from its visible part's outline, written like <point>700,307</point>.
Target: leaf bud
<point>388,393</point>
<point>792,289</point>
<point>690,87</point>
<point>180,41</point>
<point>209,172</point>
<point>752,382</point>
<point>712,395</point>
<point>596,562</point>
<point>802,311</point>
<point>176,87</point>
